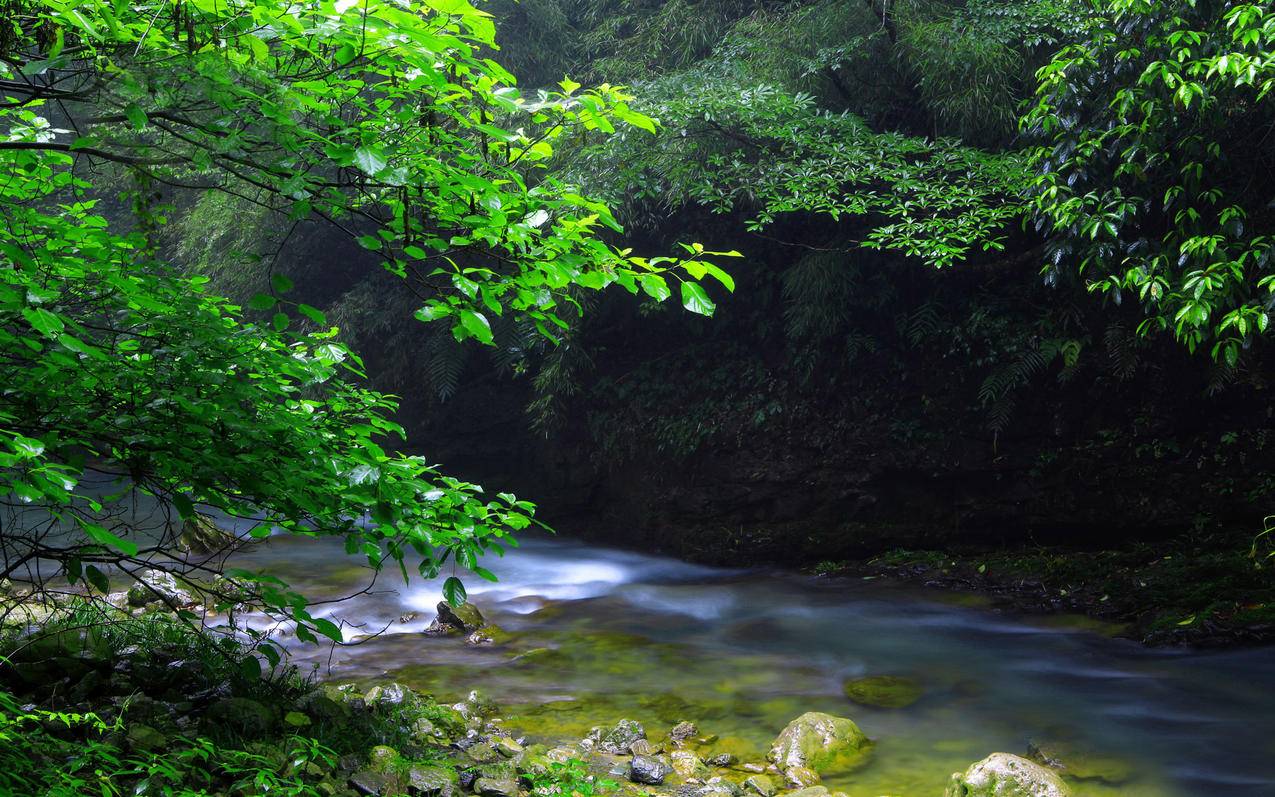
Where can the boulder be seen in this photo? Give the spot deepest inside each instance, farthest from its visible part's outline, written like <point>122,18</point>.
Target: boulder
<point>820,742</point>
<point>452,619</point>
<point>374,784</point>
<point>502,785</point>
<point>683,731</point>
<point>489,635</point>
<point>482,753</point>
<point>648,770</point>
<point>1005,775</point>
<point>688,765</point>
<point>760,785</point>
<point>882,691</point>
<point>1077,761</point>
<point>619,739</point>
<point>202,537</point>
<point>389,696</point>
<point>238,716</point>
<point>506,746</point>
<point>800,777</point>
<point>431,781</point>
<point>146,738</point>
<point>723,760</point>
<point>809,791</point>
<point>157,586</point>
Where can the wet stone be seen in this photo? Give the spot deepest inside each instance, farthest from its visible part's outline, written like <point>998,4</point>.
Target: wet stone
<point>431,781</point>
<point>648,770</point>
<point>683,731</point>
<point>619,739</point>
<point>760,785</point>
<point>882,691</point>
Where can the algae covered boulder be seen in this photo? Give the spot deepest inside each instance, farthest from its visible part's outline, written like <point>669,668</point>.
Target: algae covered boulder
<point>452,619</point>
<point>157,586</point>
<point>648,770</point>
<point>820,742</point>
<point>882,691</point>
<point>619,739</point>
<point>1005,775</point>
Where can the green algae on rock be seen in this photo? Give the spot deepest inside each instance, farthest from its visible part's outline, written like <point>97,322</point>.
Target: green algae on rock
<point>1005,775</point>
<point>820,742</point>
<point>883,691</point>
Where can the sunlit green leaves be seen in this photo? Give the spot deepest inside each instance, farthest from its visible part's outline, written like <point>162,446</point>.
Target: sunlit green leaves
<point>1145,173</point>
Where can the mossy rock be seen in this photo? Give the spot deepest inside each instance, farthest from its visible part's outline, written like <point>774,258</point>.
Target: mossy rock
<point>822,743</point>
<point>1005,775</point>
<point>883,691</point>
<point>1081,763</point>
<point>489,635</point>
<point>238,717</point>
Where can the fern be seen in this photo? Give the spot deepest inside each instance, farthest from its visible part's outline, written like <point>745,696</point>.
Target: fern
<point>444,362</point>
<point>998,391</point>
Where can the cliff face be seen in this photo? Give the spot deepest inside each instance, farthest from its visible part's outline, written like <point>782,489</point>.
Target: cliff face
<point>716,440</point>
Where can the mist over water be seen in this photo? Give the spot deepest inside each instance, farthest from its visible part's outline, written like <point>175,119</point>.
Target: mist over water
<point>600,634</point>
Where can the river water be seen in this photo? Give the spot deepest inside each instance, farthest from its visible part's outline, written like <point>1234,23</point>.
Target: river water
<point>600,634</point>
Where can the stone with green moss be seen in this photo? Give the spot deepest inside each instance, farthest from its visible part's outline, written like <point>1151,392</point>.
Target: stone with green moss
<point>489,634</point>
<point>883,691</point>
<point>761,785</point>
<point>820,742</point>
<point>145,738</point>
<point>1080,762</point>
<point>1005,775</point>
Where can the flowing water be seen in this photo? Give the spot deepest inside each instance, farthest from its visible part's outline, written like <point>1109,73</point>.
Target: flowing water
<point>601,634</point>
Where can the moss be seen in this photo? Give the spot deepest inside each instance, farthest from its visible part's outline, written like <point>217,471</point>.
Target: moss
<point>883,691</point>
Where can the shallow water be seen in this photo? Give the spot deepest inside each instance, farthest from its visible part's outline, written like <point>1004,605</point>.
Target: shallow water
<point>601,634</point>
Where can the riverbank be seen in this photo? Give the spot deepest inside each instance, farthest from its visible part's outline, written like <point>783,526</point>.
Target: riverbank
<point>1196,591</point>
<point>145,707</point>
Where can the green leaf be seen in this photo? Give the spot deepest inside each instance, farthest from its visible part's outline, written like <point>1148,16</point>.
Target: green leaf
<point>136,116</point>
<point>43,321</point>
<point>250,668</point>
<point>313,314</point>
<point>477,325</point>
<point>281,283</point>
<point>100,535</point>
<point>329,629</point>
<point>454,591</point>
<point>262,301</point>
<point>696,300</point>
<point>370,161</point>
<point>98,579</point>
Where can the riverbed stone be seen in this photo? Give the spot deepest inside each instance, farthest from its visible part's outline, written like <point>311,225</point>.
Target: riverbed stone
<point>489,634</point>
<point>760,785</point>
<point>431,781</point>
<point>619,739</point>
<point>200,536</point>
<point>648,770</point>
<point>1006,775</point>
<point>451,619</point>
<point>800,777</point>
<point>688,765</point>
<point>157,586</point>
<point>882,691</point>
<point>482,753</point>
<point>502,785</point>
<point>506,746</point>
<point>374,784</point>
<point>389,696</point>
<point>1079,762</point>
<point>146,738</point>
<point>239,716</point>
<point>809,791</point>
<point>820,742</point>
<point>682,732</point>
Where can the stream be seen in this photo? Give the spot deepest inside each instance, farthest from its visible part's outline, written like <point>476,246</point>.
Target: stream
<point>600,634</point>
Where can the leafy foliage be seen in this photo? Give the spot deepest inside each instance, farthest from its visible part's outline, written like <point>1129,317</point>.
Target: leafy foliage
<point>1153,128</point>
<point>382,119</point>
